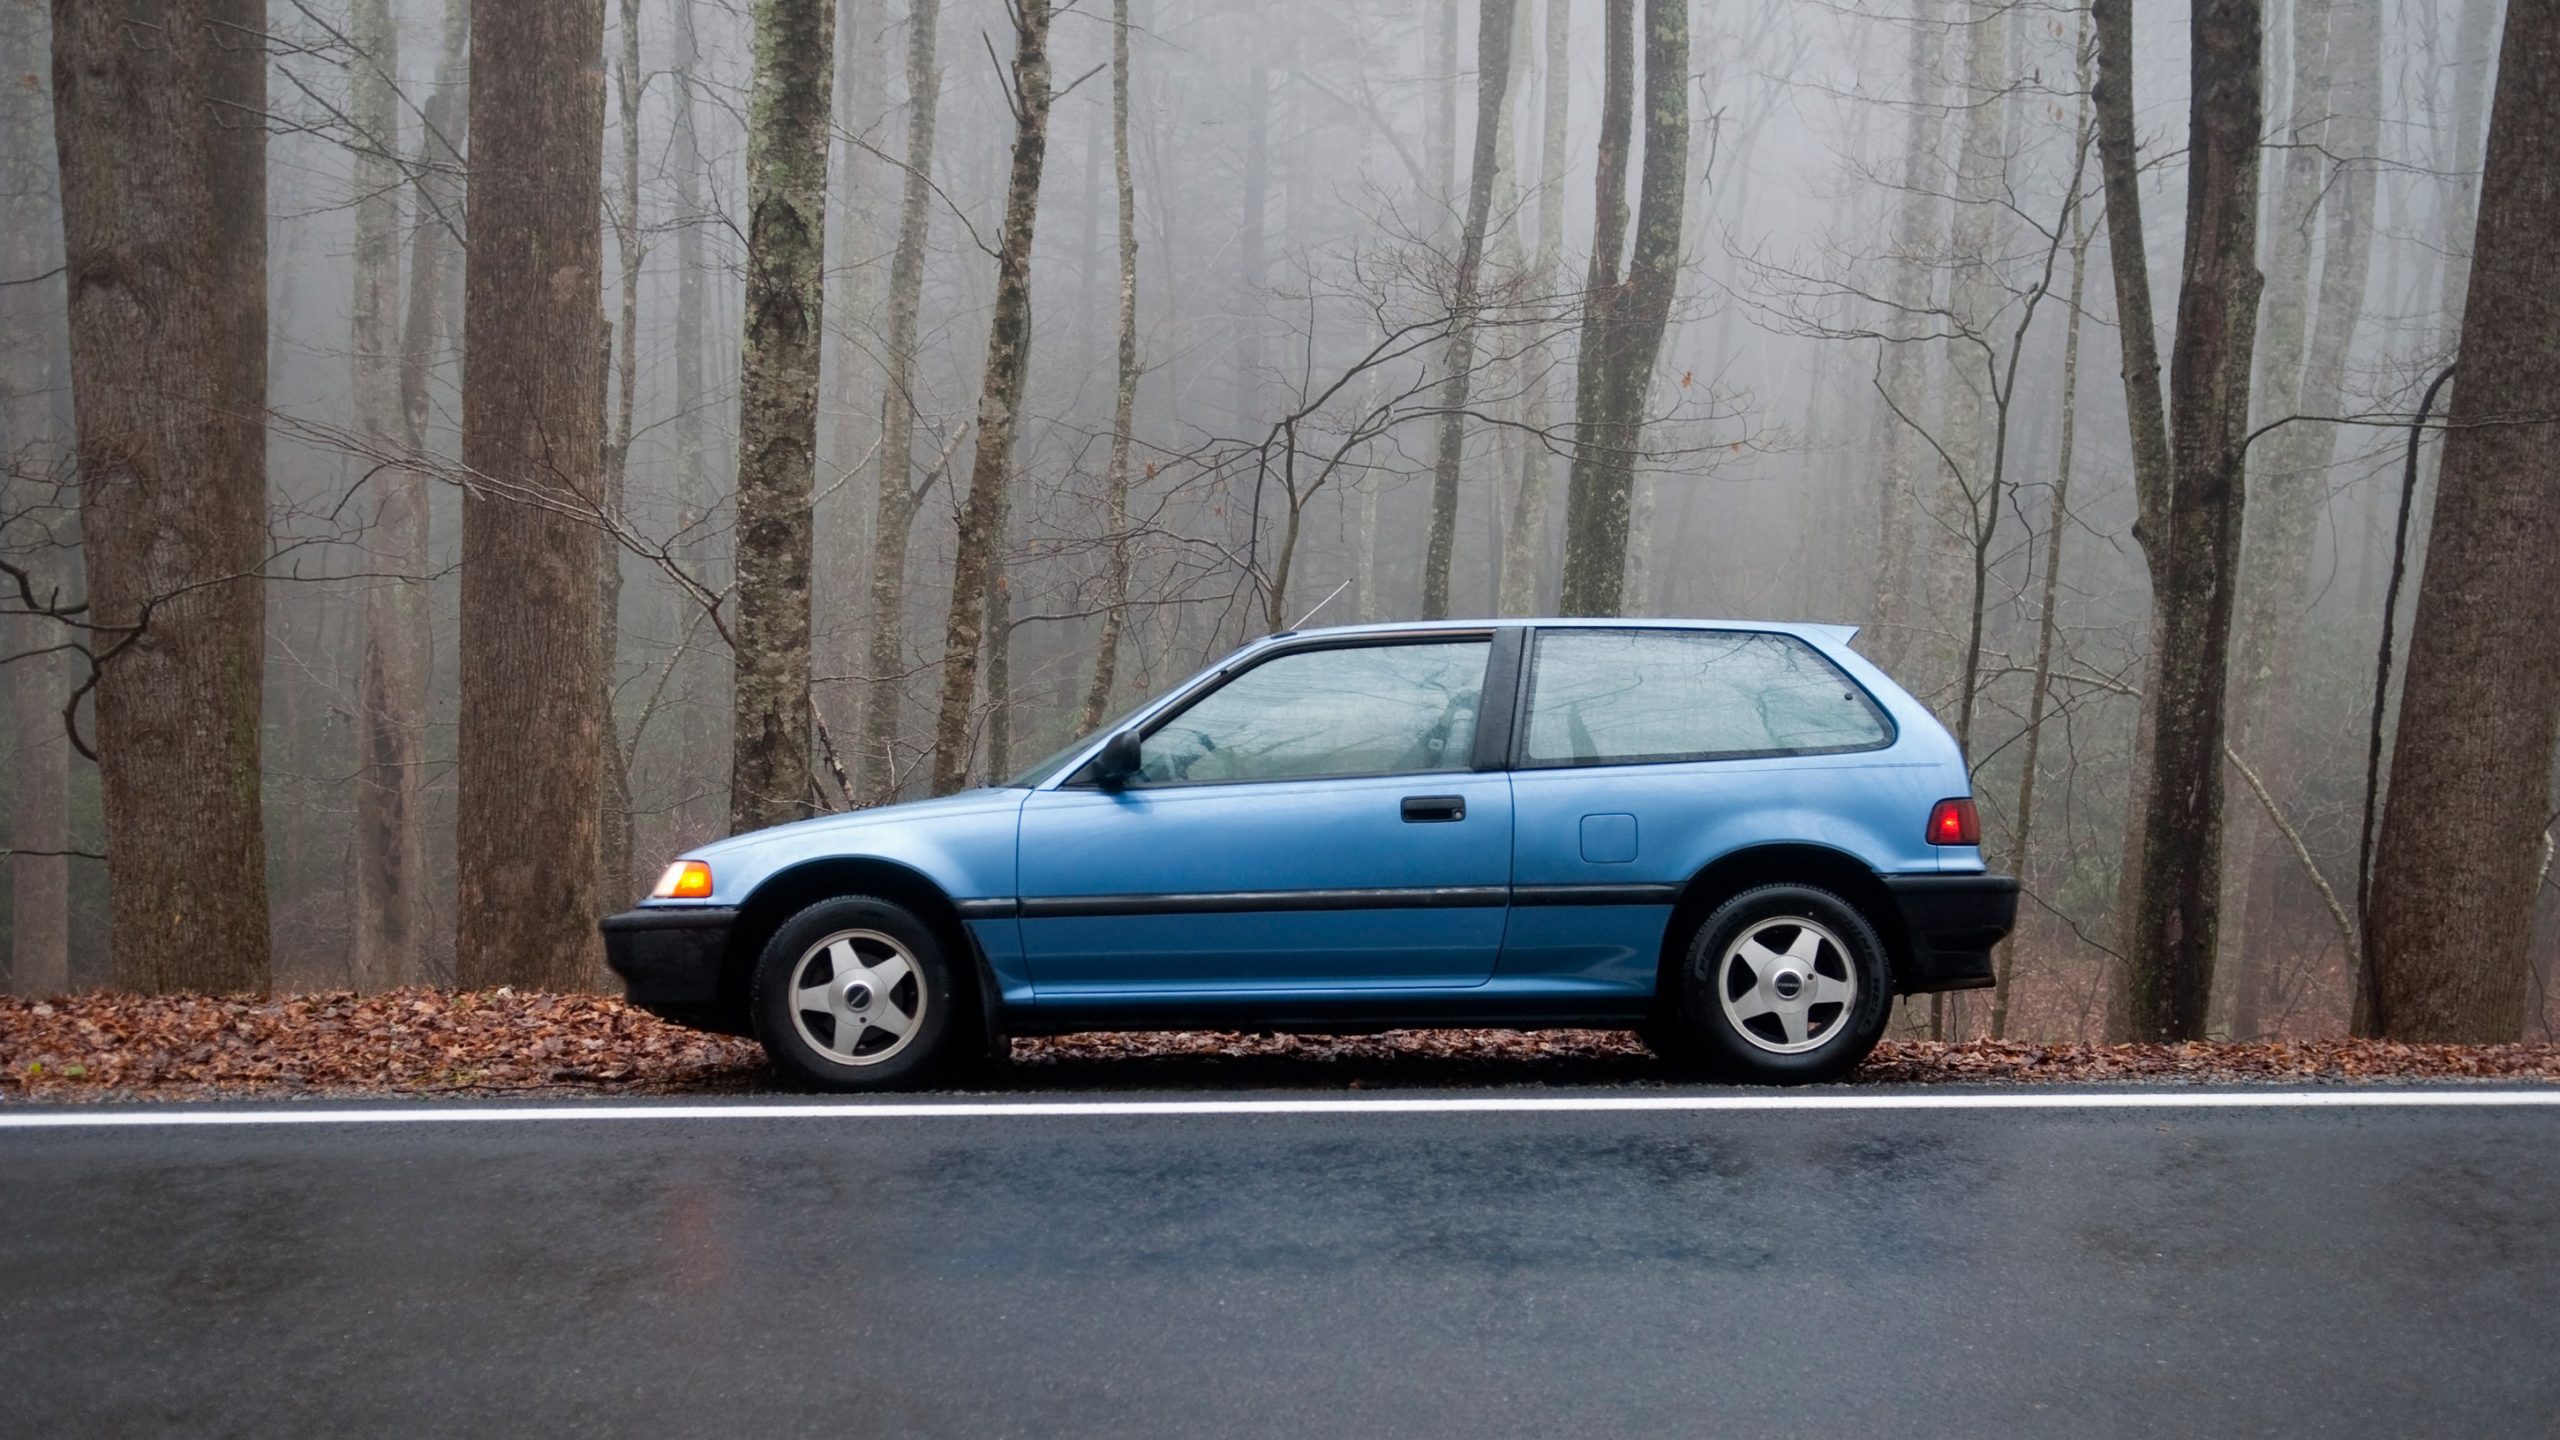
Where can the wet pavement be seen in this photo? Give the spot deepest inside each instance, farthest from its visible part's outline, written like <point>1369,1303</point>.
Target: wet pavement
<point>1477,1273</point>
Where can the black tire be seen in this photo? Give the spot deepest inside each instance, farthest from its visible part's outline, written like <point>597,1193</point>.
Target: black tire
<point>1702,1032</point>
<point>797,1039</point>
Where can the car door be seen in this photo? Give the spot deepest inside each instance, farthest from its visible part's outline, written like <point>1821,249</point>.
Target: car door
<point>1644,752</point>
<point>1317,821</point>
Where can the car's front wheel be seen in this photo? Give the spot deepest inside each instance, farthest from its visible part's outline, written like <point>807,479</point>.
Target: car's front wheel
<point>1780,985</point>
<point>854,993</point>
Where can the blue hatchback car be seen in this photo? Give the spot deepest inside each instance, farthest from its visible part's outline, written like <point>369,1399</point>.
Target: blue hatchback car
<point>1741,839</point>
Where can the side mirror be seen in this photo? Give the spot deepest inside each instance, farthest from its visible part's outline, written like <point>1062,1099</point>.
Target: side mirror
<point>1118,761</point>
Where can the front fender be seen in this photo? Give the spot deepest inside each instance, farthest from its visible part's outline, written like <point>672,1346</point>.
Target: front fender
<point>963,843</point>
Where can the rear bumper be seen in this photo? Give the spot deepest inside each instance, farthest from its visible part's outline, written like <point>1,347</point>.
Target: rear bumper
<point>1951,922</point>
<point>670,960</point>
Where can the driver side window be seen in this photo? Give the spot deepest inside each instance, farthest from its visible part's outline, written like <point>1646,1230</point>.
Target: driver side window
<point>1356,710</point>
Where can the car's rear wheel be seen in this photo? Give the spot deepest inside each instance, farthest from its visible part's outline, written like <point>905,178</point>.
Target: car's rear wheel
<point>1780,985</point>
<point>854,993</point>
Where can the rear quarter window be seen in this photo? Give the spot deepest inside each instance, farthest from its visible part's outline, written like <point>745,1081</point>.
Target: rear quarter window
<point>1615,697</point>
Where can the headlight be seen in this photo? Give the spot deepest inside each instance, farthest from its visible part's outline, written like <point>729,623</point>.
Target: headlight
<point>684,880</point>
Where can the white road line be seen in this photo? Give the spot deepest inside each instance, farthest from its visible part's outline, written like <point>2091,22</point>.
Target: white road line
<point>431,1113</point>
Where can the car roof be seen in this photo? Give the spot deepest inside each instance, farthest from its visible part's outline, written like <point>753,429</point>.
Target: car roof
<point>1809,630</point>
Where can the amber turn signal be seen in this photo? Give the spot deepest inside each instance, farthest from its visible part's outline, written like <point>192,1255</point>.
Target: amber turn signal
<point>684,880</point>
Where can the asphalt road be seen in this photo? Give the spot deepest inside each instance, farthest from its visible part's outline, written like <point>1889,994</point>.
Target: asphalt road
<point>1482,1273</point>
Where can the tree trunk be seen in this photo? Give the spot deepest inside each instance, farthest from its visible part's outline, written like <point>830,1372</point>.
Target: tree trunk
<point>1902,370</point>
<point>2308,335</point>
<point>999,653</point>
<point>2459,864</point>
<point>893,516</point>
<point>1493,76</point>
<point>2189,520</point>
<point>39,819</point>
<point>32,452</point>
<point>770,781</point>
<point>1951,518</point>
<point>1622,328</point>
<point>613,816</point>
<point>388,860</point>
<point>1524,540</point>
<point>1441,125</point>
<point>854,235</point>
<point>2021,847</point>
<point>2475,41</point>
<point>1974,301</point>
<point>433,320</point>
<point>164,230</point>
<point>1115,601</point>
<point>531,714</point>
<point>1253,258</point>
<point>2146,417</point>
<point>999,401</point>
<point>696,495</point>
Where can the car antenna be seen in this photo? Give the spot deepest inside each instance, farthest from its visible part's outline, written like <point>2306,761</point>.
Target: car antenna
<point>1327,600</point>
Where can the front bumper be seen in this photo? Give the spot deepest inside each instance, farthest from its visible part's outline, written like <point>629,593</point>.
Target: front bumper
<point>1951,922</point>
<point>671,960</point>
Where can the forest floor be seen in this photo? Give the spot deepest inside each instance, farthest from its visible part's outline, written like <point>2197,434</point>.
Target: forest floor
<point>440,1042</point>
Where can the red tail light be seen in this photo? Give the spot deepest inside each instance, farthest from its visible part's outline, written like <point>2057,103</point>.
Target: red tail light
<point>1954,822</point>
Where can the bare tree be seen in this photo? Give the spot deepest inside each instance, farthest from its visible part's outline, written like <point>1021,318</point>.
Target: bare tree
<point>893,518</point>
<point>388,861</point>
<point>1623,324</point>
<point>1493,93</point>
<point>2020,851</point>
<point>769,778</point>
<point>696,490</point>
<point>613,818</point>
<point>1524,539</point>
<point>532,698</point>
<point>1903,381</point>
<point>999,400</point>
<point>2189,484</point>
<point>1950,522</point>
<point>1124,404</point>
<point>163,166</point>
<point>2463,839</point>
<point>2325,189</point>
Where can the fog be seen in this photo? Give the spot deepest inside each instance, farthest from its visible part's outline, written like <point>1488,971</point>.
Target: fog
<point>1300,176</point>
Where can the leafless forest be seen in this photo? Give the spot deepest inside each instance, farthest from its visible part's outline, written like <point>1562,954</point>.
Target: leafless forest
<point>458,456</point>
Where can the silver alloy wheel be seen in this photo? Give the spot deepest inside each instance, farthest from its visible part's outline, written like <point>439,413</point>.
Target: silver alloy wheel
<point>864,990</point>
<point>1787,985</point>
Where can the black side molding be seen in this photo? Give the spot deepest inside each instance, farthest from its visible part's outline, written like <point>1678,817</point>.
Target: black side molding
<point>1241,902</point>
<point>1595,894</point>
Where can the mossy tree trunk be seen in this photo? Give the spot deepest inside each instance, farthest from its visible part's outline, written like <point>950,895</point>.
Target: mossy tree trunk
<point>770,779</point>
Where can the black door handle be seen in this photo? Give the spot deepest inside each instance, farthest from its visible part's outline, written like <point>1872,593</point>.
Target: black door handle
<point>1423,809</point>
